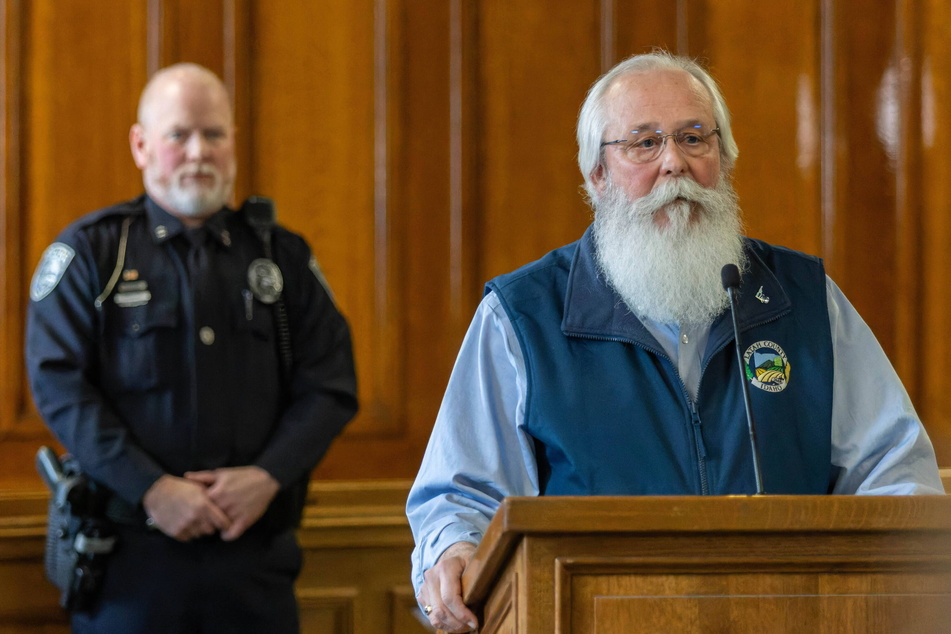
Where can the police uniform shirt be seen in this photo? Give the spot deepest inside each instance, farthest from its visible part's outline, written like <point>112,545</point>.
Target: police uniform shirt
<point>150,350</point>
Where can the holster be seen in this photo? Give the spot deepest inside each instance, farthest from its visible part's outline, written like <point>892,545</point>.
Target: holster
<point>60,557</point>
<point>79,536</point>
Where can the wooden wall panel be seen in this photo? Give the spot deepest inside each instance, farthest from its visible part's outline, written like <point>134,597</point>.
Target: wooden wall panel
<point>354,580</point>
<point>536,62</point>
<point>363,139</point>
<point>909,197</point>
<point>864,162</point>
<point>12,393</point>
<point>423,149</point>
<point>933,265</point>
<point>629,28</point>
<point>313,149</point>
<point>181,30</point>
<point>69,103</point>
<point>775,109</point>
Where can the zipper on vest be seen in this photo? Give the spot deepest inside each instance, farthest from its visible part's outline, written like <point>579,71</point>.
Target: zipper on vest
<point>694,415</point>
<point>701,448</point>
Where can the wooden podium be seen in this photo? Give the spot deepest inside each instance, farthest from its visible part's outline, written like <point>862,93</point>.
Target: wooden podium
<point>714,564</point>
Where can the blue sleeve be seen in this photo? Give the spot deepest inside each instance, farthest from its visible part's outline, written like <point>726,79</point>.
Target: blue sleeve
<point>62,364</point>
<point>322,392</point>
<point>878,441</point>
<point>478,453</point>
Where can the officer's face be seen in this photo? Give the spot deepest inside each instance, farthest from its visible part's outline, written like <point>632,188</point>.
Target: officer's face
<point>185,147</point>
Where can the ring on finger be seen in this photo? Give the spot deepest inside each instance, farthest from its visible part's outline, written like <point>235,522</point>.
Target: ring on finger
<point>427,610</point>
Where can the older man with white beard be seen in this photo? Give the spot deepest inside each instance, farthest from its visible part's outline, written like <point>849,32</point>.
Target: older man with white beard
<point>191,360</point>
<point>607,367</point>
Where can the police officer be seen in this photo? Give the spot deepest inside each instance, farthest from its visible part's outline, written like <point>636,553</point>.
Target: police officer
<point>192,360</point>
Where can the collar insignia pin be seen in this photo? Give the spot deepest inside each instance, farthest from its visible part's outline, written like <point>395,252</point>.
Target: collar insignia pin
<point>761,296</point>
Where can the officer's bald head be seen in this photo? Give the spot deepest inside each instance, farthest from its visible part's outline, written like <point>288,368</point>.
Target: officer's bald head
<point>172,81</point>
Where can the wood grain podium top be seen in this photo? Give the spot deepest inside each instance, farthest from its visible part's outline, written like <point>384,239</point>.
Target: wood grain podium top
<point>520,517</point>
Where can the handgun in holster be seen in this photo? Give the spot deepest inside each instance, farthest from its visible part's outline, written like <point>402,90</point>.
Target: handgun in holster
<point>79,536</point>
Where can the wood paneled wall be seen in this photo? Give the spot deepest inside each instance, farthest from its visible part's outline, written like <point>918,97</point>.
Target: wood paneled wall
<point>355,577</point>
<point>424,147</point>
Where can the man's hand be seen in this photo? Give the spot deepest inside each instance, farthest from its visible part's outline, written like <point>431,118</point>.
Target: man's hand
<point>442,590</point>
<point>243,493</point>
<point>182,509</point>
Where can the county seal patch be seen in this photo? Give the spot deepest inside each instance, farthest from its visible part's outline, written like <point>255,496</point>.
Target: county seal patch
<point>50,270</point>
<point>767,366</point>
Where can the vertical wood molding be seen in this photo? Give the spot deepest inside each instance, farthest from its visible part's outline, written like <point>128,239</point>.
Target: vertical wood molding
<point>639,27</point>
<point>386,339</point>
<point>683,25</point>
<point>464,178</point>
<point>909,346</point>
<point>238,36</point>
<point>828,100</point>
<point>608,35</point>
<point>458,143</point>
<point>12,379</point>
<point>187,31</point>
<point>934,270</point>
<point>154,42</point>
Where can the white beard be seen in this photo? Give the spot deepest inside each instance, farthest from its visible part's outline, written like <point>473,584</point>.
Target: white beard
<point>670,274</point>
<point>195,200</point>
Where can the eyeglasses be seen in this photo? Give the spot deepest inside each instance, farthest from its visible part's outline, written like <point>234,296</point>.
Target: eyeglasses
<point>644,146</point>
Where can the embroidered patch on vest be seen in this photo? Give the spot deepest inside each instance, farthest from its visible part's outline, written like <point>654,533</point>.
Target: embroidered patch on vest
<point>50,270</point>
<point>767,366</point>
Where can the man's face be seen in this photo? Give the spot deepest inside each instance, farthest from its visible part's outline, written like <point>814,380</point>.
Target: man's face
<point>185,147</point>
<point>666,100</point>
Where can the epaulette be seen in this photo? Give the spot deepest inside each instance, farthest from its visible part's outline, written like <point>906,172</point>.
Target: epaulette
<point>117,212</point>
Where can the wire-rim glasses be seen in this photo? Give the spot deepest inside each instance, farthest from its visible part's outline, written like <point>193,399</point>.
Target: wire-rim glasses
<point>644,146</point>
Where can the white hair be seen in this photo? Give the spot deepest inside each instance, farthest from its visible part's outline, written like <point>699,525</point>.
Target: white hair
<point>593,118</point>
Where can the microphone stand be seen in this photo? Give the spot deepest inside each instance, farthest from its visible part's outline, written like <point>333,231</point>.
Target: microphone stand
<point>730,275</point>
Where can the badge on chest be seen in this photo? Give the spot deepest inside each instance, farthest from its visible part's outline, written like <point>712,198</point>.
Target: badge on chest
<point>265,280</point>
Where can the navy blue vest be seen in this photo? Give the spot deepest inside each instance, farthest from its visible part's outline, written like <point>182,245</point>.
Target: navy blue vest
<point>610,415</point>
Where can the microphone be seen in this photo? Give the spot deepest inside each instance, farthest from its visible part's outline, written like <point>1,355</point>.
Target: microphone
<point>730,277</point>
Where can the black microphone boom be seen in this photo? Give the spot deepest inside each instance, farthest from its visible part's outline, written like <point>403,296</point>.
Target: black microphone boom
<point>730,276</point>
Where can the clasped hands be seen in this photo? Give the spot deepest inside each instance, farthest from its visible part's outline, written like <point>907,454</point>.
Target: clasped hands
<point>226,501</point>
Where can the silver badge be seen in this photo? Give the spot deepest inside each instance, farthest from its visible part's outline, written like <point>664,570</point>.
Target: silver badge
<point>265,280</point>
<point>50,271</point>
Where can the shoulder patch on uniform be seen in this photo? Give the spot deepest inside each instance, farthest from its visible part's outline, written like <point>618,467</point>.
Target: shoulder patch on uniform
<point>319,274</point>
<point>50,270</point>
